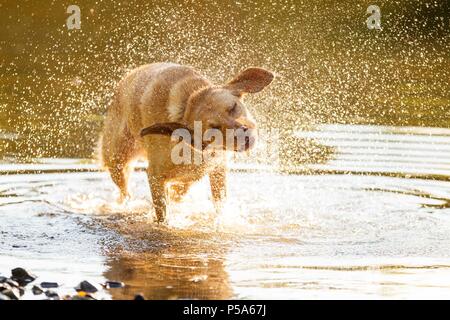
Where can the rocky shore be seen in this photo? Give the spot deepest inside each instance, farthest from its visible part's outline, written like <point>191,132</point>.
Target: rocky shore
<point>21,280</point>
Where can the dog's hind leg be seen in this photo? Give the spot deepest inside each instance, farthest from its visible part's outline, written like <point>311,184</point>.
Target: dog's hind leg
<point>118,149</point>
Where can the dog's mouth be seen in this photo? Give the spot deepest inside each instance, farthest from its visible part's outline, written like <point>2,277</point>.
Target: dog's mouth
<point>168,129</point>
<point>242,140</point>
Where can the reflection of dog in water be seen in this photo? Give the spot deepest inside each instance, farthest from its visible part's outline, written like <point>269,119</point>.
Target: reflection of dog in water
<point>154,100</point>
<point>168,264</point>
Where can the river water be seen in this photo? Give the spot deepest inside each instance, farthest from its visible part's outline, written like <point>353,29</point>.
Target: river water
<point>371,222</point>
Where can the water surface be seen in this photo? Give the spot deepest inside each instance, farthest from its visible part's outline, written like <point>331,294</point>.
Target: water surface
<point>371,222</point>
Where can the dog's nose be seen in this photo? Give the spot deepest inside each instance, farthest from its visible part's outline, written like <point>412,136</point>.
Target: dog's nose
<point>244,128</point>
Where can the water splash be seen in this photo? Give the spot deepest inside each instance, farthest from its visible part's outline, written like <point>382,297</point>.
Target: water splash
<point>330,67</point>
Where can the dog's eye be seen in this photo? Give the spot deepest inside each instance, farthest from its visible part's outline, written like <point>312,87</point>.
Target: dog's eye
<point>233,109</point>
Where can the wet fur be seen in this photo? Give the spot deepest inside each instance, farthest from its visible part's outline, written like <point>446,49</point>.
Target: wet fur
<point>170,93</point>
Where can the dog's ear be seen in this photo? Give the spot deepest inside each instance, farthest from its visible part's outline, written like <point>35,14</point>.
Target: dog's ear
<point>250,80</point>
<point>166,128</point>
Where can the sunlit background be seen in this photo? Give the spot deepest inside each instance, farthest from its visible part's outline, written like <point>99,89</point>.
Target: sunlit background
<point>56,83</point>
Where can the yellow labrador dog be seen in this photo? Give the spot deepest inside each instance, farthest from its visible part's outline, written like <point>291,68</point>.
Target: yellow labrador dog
<point>153,101</point>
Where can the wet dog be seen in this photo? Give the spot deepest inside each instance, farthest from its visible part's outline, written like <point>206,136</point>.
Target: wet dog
<point>153,102</point>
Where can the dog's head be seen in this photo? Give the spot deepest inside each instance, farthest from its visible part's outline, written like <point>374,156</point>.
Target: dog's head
<point>221,108</point>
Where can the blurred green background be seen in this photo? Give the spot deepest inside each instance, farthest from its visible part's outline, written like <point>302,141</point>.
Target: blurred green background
<point>56,83</point>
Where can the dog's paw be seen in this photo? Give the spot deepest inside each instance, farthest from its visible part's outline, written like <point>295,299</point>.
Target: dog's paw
<point>123,198</point>
<point>160,221</point>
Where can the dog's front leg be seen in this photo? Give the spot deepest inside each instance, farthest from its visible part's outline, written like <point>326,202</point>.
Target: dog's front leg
<point>159,196</point>
<point>218,181</point>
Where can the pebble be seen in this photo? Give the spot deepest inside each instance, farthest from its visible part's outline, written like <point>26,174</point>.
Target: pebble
<point>12,283</point>
<point>22,276</point>
<point>36,290</point>
<point>13,288</point>
<point>86,287</point>
<point>13,293</point>
<point>81,298</point>
<point>3,297</point>
<point>113,284</point>
<point>52,294</point>
<point>4,284</point>
<point>49,285</point>
<point>139,297</point>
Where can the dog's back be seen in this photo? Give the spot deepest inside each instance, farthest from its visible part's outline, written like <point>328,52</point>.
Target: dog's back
<point>154,93</point>
<point>147,95</point>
